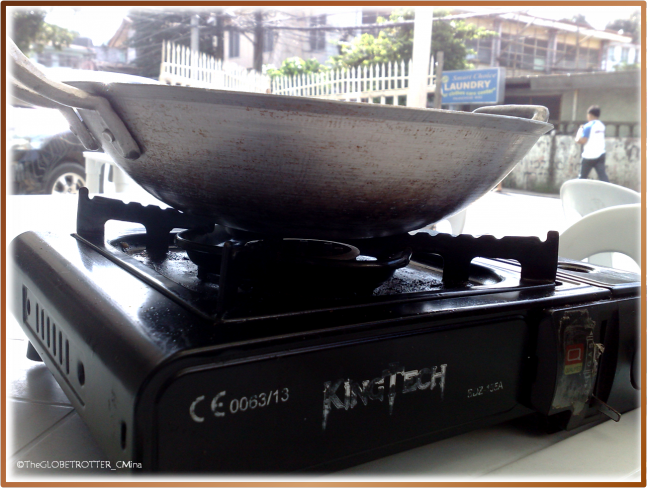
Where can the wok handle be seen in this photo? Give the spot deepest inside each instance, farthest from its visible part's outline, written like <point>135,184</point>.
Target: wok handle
<point>532,112</point>
<point>112,127</point>
<point>77,126</point>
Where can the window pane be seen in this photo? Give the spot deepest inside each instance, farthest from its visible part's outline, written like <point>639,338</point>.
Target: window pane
<point>611,54</point>
<point>484,55</point>
<point>316,37</point>
<point>625,54</point>
<point>528,61</point>
<point>233,50</point>
<point>269,40</point>
<point>571,54</point>
<point>593,57</point>
<point>486,42</point>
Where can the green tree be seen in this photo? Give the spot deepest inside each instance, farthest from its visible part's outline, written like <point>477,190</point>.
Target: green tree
<point>395,43</point>
<point>579,19</point>
<point>296,66</point>
<point>32,33</point>
<point>624,66</point>
<point>629,27</point>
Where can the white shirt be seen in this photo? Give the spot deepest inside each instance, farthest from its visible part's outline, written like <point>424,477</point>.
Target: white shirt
<point>596,145</point>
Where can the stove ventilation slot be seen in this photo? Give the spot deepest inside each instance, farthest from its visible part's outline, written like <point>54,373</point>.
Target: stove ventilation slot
<point>48,333</point>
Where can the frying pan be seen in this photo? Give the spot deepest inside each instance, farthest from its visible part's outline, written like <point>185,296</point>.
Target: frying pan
<point>292,166</point>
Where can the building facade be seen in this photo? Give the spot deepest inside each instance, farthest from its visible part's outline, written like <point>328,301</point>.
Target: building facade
<point>80,54</point>
<point>523,44</point>
<point>288,33</point>
<point>527,45</point>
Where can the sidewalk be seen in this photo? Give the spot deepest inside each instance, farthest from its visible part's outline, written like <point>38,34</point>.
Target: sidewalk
<point>515,213</point>
<point>518,213</point>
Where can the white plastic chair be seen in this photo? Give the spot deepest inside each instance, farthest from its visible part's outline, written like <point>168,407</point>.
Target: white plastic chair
<point>95,161</point>
<point>456,222</point>
<point>582,197</point>
<point>613,229</point>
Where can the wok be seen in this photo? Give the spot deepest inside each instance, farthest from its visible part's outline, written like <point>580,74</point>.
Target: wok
<point>292,166</point>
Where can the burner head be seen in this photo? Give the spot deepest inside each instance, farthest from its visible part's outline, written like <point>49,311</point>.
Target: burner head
<point>296,265</point>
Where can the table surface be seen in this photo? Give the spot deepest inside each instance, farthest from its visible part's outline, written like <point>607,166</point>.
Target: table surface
<point>43,426</point>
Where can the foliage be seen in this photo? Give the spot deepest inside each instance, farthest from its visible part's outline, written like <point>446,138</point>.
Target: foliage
<point>296,66</point>
<point>32,33</point>
<point>579,19</point>
<point>624,66</point>
<point>396,43</point>
<point>629,27</point>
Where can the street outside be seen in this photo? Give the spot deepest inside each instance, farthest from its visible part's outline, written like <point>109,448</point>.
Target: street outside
<point>518,213</point>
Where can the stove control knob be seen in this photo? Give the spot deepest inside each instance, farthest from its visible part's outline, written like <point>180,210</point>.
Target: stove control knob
<point>636,367</point>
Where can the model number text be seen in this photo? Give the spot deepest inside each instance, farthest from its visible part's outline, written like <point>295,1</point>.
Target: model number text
<point>484,389</point>
<point>261,400</point>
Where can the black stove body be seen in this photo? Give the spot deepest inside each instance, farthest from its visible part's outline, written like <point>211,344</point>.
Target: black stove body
<point>220,372</point>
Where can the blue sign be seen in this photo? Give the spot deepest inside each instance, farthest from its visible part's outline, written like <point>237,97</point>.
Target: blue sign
<point>481,86</point>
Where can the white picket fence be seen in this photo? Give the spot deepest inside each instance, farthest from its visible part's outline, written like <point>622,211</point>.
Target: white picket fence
<point>181,67</point>
<point>372,84</point>
<point>378,83</point>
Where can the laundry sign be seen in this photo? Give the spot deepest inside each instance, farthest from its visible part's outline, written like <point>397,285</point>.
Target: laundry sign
<point>480,86</point>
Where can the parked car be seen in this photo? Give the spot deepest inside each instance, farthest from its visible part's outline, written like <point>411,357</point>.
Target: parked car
<point>46,158</point>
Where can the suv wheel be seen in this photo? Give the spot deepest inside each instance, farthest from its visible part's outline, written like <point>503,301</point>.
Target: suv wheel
<point>66,178</point>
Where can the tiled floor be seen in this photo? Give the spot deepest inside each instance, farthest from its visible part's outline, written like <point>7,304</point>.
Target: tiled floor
<point>41,423</point>
<point>37,421</point>
<point>44,427</point>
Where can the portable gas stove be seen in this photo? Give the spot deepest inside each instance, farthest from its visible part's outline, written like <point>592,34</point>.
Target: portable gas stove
<point>210,349</point>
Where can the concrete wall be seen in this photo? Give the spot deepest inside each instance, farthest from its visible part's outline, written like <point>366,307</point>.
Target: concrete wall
<point>556,159</point>
<point>618,105</point>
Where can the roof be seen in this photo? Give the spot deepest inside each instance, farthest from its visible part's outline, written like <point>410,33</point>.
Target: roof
<point>74,49</point>
<point>567,26</point>
<point>121,36</point>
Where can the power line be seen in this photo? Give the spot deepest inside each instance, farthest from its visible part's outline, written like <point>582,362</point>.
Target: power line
<point>382,25</point>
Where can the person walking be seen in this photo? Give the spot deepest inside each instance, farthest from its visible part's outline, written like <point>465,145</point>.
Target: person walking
<point>592,136</point>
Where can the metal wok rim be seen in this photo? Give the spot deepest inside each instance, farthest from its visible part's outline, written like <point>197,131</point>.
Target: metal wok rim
<point>305,105</point>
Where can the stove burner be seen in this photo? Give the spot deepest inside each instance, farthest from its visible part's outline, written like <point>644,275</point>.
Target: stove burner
<point>312,249</point>
<point>229,262</point>
<point>206,248</point>
<point>300,265</point>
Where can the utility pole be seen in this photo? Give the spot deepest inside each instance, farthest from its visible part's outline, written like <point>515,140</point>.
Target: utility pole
<point>194,46</point>
<point>259,41</point>
<point>438,78</point>
<point>220,37</point>
<point>417,80</point>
